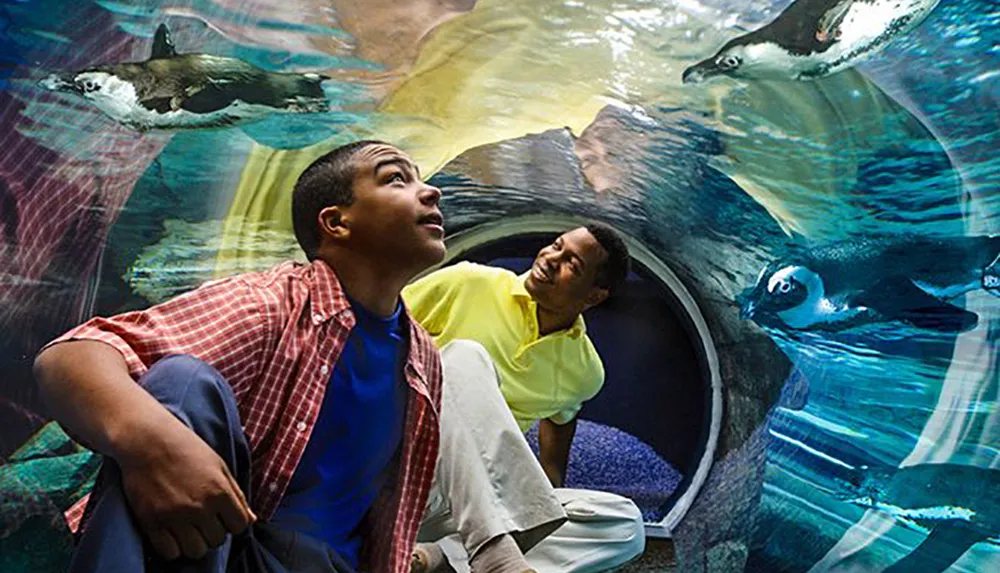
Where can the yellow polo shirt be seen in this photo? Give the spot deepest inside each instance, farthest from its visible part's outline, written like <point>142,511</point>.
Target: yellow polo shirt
<point>540,377</point>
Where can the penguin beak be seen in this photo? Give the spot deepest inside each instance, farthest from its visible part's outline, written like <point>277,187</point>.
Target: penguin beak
<point>57,83</point>
<point>700,72</point>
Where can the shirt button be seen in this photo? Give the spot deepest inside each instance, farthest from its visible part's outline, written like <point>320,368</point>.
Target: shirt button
<point>301,426</point>
<point>317,318</point>
<point>273,487</point>
<point>348,314</point>
<point>324,369</point>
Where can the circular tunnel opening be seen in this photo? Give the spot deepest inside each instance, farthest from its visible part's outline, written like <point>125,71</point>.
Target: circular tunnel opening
<point>650,433</point>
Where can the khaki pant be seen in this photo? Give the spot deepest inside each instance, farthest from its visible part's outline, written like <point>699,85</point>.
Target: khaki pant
<point>488,483</point>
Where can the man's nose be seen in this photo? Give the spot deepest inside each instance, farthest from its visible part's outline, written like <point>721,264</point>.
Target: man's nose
<point>552,259</point>
<point>430,195</point>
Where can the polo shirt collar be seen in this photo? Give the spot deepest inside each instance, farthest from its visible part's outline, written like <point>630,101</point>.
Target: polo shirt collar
<point>576,330</point>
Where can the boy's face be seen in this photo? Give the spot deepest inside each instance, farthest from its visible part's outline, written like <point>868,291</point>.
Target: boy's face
<point>395,216</point>
<point>563,275</point>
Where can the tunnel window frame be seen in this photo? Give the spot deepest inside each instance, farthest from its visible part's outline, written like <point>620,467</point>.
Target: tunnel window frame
<point>478,236</point>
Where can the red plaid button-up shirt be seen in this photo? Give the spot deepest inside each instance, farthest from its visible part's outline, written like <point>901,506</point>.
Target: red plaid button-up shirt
<point>276,336</point>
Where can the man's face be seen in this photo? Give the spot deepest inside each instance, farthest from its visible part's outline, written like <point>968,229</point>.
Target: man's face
<point>395,216</point>
<point>563,274</point>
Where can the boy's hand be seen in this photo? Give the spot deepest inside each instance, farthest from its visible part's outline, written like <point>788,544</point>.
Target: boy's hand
<point>183,496</point>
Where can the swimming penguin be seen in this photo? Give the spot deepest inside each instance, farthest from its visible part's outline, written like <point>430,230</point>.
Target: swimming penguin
<point>850,283</point>
<point>957,505</point>
<point>190,91</point>
<point>813,38</point>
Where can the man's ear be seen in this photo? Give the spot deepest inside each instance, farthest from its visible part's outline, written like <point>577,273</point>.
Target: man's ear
<point>597,296</point>
<point>332,224</point>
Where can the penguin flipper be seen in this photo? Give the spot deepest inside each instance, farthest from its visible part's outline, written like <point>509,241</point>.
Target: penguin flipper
<point>828,27</point>
<point>209,98</point>
<point>163,45</point>
<point>897,298</point>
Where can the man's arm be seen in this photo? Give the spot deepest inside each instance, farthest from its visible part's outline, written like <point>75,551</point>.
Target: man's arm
<point>182,494</point>
<point>554,441</point>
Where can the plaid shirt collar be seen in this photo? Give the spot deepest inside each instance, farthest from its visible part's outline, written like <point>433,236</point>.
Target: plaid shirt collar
<point>328,300</point>
<point>326,295</point>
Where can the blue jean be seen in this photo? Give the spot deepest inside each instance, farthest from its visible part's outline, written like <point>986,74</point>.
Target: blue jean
<point>201,398</point>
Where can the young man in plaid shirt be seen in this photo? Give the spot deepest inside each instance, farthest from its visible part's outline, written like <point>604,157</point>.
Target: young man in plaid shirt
<point>288,420</point>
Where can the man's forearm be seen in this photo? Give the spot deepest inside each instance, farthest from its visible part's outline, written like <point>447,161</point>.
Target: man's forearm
<point>554,441</point>
<point>88,389</point>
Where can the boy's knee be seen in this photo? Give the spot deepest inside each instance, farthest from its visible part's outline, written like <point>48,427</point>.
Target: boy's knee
<point>466,350</point>
<point>182,377</point>
<point>467,356</point>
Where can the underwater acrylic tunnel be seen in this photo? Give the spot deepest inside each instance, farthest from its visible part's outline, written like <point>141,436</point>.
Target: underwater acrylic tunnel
<point>801,373</point>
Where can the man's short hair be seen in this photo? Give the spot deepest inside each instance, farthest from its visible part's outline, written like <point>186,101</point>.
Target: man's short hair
<point>327,182</point>
<point>614,270</point>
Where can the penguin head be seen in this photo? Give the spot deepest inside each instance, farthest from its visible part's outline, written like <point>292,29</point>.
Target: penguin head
<point>93,84</point>
<point>90,84</point>
<point>749,56</point>
<point>776,291</point>
<point>728,61</point>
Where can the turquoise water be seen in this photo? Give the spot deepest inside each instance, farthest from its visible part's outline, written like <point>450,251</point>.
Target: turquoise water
<point>718,180</point>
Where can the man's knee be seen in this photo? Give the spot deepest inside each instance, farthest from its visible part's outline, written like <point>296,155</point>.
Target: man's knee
<point>469,359</point>
<point>190,388</point>
<point>466,351</point>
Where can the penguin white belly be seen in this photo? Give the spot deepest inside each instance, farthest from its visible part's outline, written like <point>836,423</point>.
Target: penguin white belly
<point>236,112</point>
<point>867,25</point>
<point>118,100</point>
<point>823,311</point>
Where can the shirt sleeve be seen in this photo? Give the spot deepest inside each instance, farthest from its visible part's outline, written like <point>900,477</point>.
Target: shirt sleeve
<point>430,298</point>
<point>592,380</point>
<point>224,323</point>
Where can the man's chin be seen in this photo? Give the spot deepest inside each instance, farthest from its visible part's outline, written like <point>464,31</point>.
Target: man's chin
<point>435,252</point>
<point>533,286</point>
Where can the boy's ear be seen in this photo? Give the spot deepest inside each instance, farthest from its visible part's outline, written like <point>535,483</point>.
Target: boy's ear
<point>332,224</point>
<point>597,296</point>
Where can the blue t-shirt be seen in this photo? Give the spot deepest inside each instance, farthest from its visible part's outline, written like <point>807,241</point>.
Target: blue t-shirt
<point>355,439</point>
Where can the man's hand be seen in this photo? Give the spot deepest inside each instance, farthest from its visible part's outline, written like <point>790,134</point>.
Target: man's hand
<point>183,496</point>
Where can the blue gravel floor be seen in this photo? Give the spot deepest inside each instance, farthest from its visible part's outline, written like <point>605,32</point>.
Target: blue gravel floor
<point>608,459</point>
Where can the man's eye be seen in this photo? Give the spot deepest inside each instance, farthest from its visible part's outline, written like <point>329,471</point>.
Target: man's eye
<point>396,177</point>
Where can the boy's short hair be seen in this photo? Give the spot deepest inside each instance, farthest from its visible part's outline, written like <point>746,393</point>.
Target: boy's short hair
<point>327,182</point>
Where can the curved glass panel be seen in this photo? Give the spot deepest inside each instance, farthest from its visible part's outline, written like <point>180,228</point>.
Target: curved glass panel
<point>820,176</point>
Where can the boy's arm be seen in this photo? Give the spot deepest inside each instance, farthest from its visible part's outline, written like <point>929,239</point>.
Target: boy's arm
<point>180,491</point>
<point>555,433</point>
<point>554,441</point>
